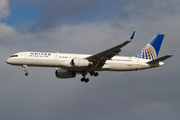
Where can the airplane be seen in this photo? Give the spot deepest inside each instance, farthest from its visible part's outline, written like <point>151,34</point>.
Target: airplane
<point>71,64</point>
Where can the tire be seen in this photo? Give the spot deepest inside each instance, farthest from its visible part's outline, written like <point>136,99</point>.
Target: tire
<point>26,74</point>
<point>87,80</point>
<point>96,74</point>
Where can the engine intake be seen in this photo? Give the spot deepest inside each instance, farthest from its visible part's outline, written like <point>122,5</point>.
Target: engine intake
<point>60,73</point>
<point>79,62</point>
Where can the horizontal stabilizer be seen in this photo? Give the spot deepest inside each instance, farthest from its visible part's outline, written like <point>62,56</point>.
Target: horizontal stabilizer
<point>159,59</point>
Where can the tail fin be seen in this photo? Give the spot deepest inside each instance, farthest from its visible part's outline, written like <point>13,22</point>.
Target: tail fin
<point>151,50</point>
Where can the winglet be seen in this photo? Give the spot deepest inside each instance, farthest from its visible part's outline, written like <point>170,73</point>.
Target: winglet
<point>132,36</point>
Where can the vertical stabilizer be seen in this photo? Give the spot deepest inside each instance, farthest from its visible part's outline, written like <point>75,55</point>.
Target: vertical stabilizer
<point>151,50</point>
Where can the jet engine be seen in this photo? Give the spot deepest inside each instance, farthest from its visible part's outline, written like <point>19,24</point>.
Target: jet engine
<point>60,73</point>
<point>79,62</point>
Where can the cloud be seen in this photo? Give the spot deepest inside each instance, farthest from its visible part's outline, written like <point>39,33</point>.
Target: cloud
<point>69,12</point>
<point>4,9</point>
<point>51,14</point>
<point>63,38</point>
<point>6,33</point>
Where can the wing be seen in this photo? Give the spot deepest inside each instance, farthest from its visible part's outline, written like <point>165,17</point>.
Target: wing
<point>100,58</point>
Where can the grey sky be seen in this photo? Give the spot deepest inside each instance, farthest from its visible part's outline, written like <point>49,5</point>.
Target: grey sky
<point>142,95</point>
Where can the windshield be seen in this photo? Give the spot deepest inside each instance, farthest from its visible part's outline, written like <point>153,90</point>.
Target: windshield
<point>14,56</point>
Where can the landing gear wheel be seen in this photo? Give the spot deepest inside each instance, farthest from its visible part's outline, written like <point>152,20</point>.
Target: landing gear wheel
<point>25,70</point>
<point>26,74</point>
<point>86,80</point>
<point>82,79</point>
<point>96,74</point>
<point>91,73</point>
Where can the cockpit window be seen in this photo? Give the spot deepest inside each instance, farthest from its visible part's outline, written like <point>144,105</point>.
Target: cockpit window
<point>14,56</point>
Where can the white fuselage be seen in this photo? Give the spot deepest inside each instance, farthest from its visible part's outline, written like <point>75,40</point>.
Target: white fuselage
<point>61,60</point>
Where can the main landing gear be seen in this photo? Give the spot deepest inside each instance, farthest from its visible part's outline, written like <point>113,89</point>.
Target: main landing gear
<point>94,73</point>
<point>25,70</point>
<point>86,80</point>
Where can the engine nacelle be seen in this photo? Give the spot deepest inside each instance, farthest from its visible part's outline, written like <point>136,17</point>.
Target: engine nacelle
<point>79,62</point>
<point>60,73</point>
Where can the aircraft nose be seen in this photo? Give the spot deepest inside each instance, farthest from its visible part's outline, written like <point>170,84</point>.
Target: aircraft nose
<point>8,61</point>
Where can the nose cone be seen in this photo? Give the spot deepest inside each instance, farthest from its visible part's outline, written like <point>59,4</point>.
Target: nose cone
<point>8,61</point>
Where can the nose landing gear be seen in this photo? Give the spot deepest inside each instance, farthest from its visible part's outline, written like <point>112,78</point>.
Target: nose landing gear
<point>25,70</point>
<point>26,74</point>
